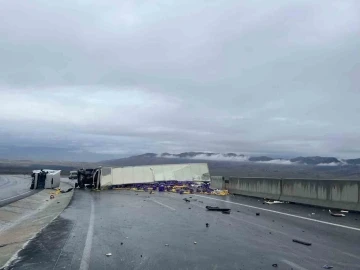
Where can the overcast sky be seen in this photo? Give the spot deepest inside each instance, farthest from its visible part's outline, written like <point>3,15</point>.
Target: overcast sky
<point>117,78</point>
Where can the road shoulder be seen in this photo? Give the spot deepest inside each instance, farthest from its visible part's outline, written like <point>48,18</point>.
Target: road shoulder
<point>24,219</point>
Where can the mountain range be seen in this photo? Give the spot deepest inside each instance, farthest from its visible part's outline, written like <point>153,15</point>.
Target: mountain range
<point>312,160</point>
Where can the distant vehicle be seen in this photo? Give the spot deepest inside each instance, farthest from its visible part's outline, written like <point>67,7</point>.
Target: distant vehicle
<point>73,175</point>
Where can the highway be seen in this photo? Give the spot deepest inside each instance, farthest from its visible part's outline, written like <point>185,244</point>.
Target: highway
<point>14,187</point>
<point>162,231</point>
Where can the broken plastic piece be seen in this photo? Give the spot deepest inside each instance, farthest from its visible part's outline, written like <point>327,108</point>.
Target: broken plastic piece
<point>302,242</point>
<point>166,245</point>
<point>344,211</point>
<point>275,265</point>
<point>195,243</point>
<point>215,208</point>
<point>258,214</point>
<point>336,214</point>
<point>108,254</point>
<point>272,202</point>
<point>65,191</point>
<point>121,243</point>
<point>207,224</point>
<point>328,266</point>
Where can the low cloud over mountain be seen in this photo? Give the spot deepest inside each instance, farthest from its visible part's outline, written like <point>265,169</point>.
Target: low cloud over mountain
<point>314,160</point>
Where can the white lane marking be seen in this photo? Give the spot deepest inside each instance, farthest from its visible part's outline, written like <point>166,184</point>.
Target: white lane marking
<point>164,205</point>
<point>294,265</point>
<point>85,259</point>
<point>42,218</point>
<point>285,214</point>
<point>15,196</point>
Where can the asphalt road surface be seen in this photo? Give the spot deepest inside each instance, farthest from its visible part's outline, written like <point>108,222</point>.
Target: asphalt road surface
<point>14,187</point>
<point>162,231</point>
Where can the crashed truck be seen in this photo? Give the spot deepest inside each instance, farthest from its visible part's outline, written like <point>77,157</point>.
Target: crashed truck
<point>45,178</point>
<point>103,177</point>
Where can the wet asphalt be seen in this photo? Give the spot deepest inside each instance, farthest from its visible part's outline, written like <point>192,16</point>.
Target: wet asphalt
<point>162,231</point>
<point>14,187</point>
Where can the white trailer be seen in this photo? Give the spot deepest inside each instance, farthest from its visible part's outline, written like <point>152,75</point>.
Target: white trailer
<point>154,173</point>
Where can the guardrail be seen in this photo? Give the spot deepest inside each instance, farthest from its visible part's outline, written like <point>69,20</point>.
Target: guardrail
<point>344,194</point>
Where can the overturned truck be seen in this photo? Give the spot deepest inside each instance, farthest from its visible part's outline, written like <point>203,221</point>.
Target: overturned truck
<point>88,177</point>
<point>102,177</point>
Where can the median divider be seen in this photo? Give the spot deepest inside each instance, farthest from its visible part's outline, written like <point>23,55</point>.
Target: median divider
<point>340,194</point>
<point>23,219</point>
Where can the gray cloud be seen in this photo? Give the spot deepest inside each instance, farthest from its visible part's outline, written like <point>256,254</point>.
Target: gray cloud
<point>131,77</point>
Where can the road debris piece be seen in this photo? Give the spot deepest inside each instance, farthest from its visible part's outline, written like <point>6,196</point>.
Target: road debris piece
<point>52,196</point>
<point>344,211</point>
<point>108,254</point>
<point>186,200</point>
<point>201,202</point>
<point>272,202</point>
<point>65,191</point>
<point>215,208</point>
<point>258,214</point>
<point>328,266</point>
<point>189,207</point>
<point>121,243</point>
<point>302,242</point>
<point>275,265</point>
<point>336,214</point>
<point>166,245</point>
<point>207,224</point>
<point>195,243</point>
<point>226,212</point>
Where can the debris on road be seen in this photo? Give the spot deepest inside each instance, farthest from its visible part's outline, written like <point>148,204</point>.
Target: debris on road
<point>226,212</point>
<point>258,214</point>
<point>189,207</point>
<point>301,242</point>
<point>336,214</point>
<point>272,202</point>
<point>201,202</point>
<point>166,245</point>
<point>275,265</point>
<point>215,208</point>
<point>328,266</point>
<point>186,200</point>
<point>121,243</point>
<point>65,191</point>
<point>344,211</point>
<point>207,224</point>
<point>195,243</point>
<point>108,254</point>
<point>52,196</point>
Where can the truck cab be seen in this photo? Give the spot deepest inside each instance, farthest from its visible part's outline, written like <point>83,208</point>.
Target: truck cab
<point>73,175</point>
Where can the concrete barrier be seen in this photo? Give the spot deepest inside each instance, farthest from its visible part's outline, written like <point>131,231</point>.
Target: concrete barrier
<point>327,193</point>
<point>257,187</point>
<point>217,182</point>
<point>342,194</point>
